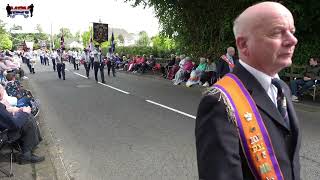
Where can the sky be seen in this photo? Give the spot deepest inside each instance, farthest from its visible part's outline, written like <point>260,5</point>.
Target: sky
<point>79,15</point>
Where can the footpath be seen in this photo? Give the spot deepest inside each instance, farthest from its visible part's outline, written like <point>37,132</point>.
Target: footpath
<point>40,171</point>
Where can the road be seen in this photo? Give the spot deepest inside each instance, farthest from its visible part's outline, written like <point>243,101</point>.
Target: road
<point>135,127</point>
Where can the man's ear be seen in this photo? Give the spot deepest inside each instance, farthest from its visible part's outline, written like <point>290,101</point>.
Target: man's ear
<point>242,45</point>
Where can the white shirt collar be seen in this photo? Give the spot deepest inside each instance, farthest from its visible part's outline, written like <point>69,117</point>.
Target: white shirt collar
<point>264,80</point>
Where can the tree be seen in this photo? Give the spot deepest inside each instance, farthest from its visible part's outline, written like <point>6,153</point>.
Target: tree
<point>78,36</point>
<point>121,39</point>
<point>143,39</point>
<point>205,27</point>
<point>163,43</point>
<point>2,27</point>
<point>5,42</point>
<point>86,37</point>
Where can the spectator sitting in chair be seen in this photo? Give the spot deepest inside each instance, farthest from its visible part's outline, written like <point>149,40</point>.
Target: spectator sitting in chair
<point>183,71</point>
<point>307,81</point>
<point>22,128</point>
<point>209,76</point>
<point>172,61</point>
<point>13,88</point>
<point>148,65</point>
<point>197,73</point>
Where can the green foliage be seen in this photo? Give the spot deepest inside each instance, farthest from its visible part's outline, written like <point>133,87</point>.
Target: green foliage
<point>143,39</point>
<point>86,38</point>
<point>121,39</point>
<point>205,27</point>
<point>5,42</point>
<point>2,27</point>
<point>163,43</point>
<point>138,50</point>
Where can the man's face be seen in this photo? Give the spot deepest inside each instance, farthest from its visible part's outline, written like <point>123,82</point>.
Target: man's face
<point>271,43</point>
<point>312,62</point>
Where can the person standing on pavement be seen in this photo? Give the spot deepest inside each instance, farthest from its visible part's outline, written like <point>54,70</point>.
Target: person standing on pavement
<point>246,126</point>
<point>86,61</point>
<point>98,64</point>
<point>60,64</point>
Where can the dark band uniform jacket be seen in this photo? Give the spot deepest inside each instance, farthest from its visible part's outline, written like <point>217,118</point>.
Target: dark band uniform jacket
<point>219,152</point>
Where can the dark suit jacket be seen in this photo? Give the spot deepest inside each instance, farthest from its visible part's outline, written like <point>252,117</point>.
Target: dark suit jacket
<point>223,67</point>
<point>219,152</point>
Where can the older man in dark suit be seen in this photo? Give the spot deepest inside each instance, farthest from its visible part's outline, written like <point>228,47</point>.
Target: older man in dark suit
<point>226,63</point>
<point>22,128</point>
<point>265,40</point>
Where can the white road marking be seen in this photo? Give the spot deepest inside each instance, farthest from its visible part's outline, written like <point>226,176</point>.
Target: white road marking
<point>180,112</point>
<point>80,75</point>
<point>125,92</point>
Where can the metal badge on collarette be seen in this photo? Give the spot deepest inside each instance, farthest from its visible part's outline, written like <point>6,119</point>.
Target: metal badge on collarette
<point>284,103</point>
<point>248,116</point>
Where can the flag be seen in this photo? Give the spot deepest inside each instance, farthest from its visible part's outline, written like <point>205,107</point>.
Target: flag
<point>113,46</point>
<point>62,42</point>
<point>100,32</point>
<point>91,42</point>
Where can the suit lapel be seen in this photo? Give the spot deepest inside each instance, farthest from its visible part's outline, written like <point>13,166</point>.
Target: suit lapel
<point>293,121</point>
<point>259,95</point>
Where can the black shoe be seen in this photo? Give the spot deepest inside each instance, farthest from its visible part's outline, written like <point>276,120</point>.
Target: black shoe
<point>29,157</point>
<point>103,82</point>
<point>64,78</point>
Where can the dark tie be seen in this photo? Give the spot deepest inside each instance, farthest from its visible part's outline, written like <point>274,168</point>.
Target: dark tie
<point>281,100</point>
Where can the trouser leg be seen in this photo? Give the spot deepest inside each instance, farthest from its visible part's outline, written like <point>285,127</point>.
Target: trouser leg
<point>54,64</point>
<point>59,68</point>
<point>306,86</point>
<point>91,62</point>
<point>102,72</point>
<point>30,135</point>
<point>29,65</point>
<point>113,70</point>
<point>109,67</point>
<point>87,68</point>
<point>294,86</point>
<point>63,71</point>
<point>96,68</point>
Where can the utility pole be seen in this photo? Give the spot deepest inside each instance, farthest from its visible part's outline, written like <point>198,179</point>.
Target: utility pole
<point>51,38</point>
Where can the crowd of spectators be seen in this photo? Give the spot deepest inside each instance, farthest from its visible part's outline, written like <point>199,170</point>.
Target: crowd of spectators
<point>18,109</point>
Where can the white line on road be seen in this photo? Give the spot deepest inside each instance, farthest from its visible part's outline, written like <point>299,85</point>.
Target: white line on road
<point>183,113</point>
<point>80,75</point>
<point>125,92</point>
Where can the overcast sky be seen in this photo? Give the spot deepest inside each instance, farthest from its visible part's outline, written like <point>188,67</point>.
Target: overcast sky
<point>77,15</point>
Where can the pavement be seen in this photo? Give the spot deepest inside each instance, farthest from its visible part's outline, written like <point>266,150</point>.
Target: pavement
<point>134,127</point>
<point>40,171</point>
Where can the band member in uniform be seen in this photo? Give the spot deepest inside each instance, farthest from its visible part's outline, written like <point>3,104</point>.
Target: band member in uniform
<point>98,64</point>
<point>60,63</point>
<point>86,61</point>
<point>74,60</point>
<point>91,58</point>
<point>246,125</point>
<point>54,55</point>
<point>28,56</point>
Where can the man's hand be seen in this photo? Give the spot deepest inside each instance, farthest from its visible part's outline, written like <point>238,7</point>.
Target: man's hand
<point>306,78</point>
<point>26,109</point>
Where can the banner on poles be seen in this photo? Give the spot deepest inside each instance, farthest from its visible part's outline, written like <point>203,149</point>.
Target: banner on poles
<point>100,32</point>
